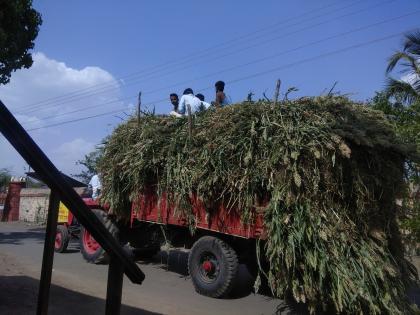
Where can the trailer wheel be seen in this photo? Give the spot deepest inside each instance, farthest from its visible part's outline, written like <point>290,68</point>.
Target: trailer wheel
<point>213,266</point>
<point>145,253</point>
<point>62,238</point>
<point>91,250</point>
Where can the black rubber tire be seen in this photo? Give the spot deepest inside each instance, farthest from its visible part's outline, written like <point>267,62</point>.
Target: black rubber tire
<point>63,233</point>
<point>227,266</point>
<point>99,256</point>
<point>145,253</point>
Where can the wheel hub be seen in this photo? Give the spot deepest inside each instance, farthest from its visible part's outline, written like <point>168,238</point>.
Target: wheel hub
<point>208,266</point>
<point>57,240</point>
<point>89,243</point>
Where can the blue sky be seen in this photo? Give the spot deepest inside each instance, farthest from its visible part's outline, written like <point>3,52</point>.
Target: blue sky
<point>93,57</point>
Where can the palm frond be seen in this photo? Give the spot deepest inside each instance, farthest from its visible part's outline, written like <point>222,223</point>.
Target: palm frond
<point>401,91</point>
<point>398,56</point>
<point>412,43</point>
<point>416,85</point>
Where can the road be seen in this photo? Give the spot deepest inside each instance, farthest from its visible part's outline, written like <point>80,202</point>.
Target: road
<point>80,288</point>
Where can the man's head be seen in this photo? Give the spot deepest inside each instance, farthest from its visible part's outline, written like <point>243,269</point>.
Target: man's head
<point>200,97</point>
<point>220,86</point>
<point>174,100</point>
<point>188,91</point>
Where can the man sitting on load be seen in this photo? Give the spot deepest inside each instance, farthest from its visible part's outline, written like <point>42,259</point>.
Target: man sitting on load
<point>221,98</point>
<point>175,103</point>
<point>188,99</point>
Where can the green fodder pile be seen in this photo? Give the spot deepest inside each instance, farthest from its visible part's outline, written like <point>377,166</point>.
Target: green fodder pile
<point>330,168</point>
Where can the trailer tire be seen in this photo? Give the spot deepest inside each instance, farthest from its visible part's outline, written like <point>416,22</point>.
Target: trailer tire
<point>213,266</point>
<point>62,239</point>
<point>91,250</point>
<point>145,253</point>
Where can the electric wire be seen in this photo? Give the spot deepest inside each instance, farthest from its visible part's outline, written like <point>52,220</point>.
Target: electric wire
<point>224,55</point>
<point>326,39</point>
<point>229,42</point>
<point>261,73</point>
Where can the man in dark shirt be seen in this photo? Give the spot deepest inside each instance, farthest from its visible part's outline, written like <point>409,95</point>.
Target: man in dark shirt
<point>221,99</point>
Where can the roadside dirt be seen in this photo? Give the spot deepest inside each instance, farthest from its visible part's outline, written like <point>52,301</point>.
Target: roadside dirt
<point>19,291</point>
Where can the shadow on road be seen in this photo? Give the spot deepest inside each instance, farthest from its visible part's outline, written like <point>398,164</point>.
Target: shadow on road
<point>17,238</point>
<point>19,297</point>
<point>176,261</point>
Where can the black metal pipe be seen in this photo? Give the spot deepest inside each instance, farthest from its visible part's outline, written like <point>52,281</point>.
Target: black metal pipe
<point>34,156</point>
<point>48,256</point>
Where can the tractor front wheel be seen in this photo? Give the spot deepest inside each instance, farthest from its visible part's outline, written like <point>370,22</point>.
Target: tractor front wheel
<point>91,250</point>
<point>62,239</point>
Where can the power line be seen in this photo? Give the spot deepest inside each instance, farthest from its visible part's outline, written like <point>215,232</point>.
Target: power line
<point>321,56</point>
<point>362,28</point>
<point>239,50</point>
<point>207,49</point>
<point>284,52</point>
<point>89,93</point>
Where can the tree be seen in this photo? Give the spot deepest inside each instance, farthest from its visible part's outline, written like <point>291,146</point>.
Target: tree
<point>90,161</point>
<point>407,91</point>
<point>19,26</point>
<point>4,179</point>
<point>406,121</point>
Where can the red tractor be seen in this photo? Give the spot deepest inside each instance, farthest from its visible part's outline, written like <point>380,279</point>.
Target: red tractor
<point>68,227</point>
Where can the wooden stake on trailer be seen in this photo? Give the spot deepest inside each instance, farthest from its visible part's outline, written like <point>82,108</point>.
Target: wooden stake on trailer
<point>189,120</point>
<point>138,108</point>
<point>277,92</point>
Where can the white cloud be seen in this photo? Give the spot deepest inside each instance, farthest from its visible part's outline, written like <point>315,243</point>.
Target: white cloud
<point>33,121</point>
<point>65,156</point>
<point>44,94</point>
<point>50,87</point>
<point>10,159</point>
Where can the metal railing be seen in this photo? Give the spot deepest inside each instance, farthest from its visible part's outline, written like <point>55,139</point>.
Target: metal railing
<point>120,261</point>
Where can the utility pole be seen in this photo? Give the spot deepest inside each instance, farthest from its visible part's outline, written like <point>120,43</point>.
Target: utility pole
<point>138,109</point>
<point>277,92</point>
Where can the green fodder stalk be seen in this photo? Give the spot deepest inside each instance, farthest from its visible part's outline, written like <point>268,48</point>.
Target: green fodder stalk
<point>330,168</point>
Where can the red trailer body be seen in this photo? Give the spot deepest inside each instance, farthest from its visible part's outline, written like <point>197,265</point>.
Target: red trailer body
<point>218,240</point>
<point>152,209</point>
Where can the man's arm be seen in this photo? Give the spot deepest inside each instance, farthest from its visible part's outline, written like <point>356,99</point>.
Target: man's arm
<point>181,105</point>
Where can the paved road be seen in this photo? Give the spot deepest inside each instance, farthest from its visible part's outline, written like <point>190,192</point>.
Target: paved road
<point>80,288</point>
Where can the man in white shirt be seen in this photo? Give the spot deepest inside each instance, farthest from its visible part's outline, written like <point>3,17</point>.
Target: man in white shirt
<point>204,105</point>
<point>96,186</point>
<point>188,99</point>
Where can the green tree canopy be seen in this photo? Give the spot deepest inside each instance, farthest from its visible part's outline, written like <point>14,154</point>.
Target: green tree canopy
<point>4,179</point>
<point>90,162</point>
<point>19,26</point>
<point>406,121</point>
